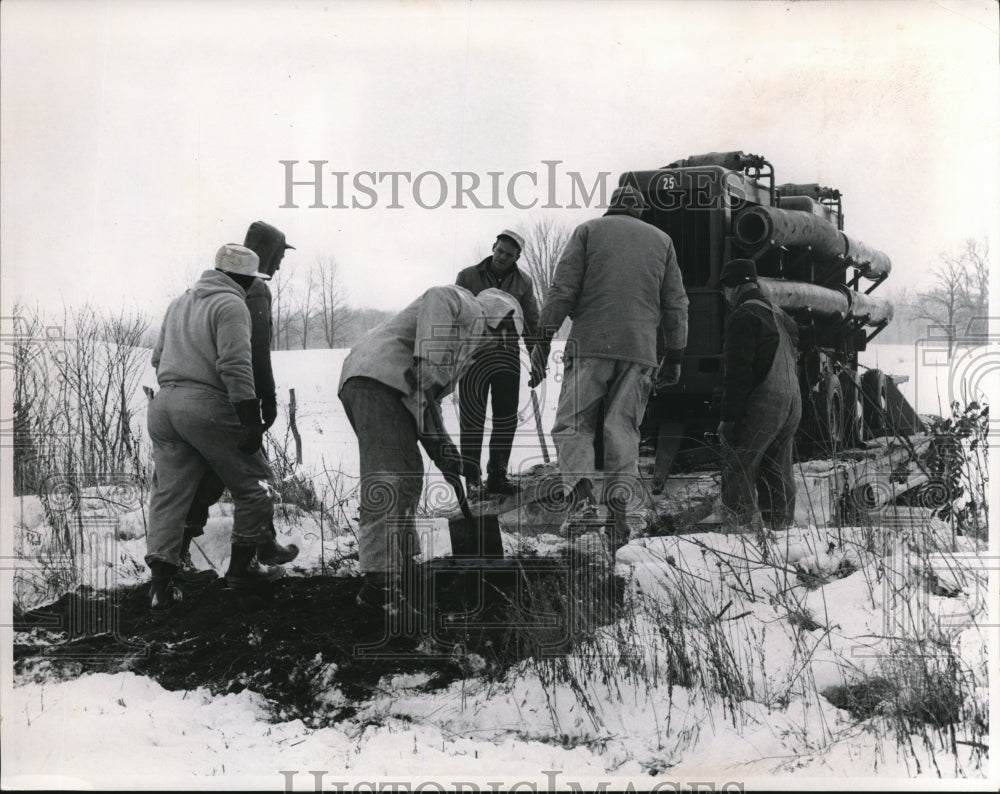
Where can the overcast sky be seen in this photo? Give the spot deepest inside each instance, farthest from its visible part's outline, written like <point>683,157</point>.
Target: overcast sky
<point>137,137</point>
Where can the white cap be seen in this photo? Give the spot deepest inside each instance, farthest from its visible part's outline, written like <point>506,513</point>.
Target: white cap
<point>238,259</point>
<point>497,304</point>
<point>514,236</point>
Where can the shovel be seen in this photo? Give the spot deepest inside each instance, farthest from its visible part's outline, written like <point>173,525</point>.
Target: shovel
<point>538,426</point>
<point>473,536</point>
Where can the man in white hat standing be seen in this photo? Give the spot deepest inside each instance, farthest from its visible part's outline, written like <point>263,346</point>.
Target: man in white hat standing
<point>391,386</point>
<point>619,281</point>
<point>270,245</point>
<point>206,416</point>
<point>496,371</point>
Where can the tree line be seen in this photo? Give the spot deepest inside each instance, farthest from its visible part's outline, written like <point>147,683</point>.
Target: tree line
<point>954,308</point>
<point>310,309</point>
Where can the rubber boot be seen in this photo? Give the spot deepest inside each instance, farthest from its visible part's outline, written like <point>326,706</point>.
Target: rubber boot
<point>617,529</point>
<point>583,513</point>
<point>497,483</point>
<point>163,595</point>
<point>387,592</point>
<point>271,552</point>
<point>246,572</point>
<point>188,572</point>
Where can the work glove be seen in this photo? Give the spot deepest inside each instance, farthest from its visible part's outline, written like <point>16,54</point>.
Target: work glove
<point>251,426</point>
<point>539,364</point>
<point>727,433</point>
<point>669,373</point>
<point>269,410</point>
<point>449,461</point>
<point>420,376</point>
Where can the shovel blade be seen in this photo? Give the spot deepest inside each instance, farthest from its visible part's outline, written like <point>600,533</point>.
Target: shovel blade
<point>478,538</point>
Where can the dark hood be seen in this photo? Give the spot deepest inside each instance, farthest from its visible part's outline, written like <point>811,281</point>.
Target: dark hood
<point>267,242</point>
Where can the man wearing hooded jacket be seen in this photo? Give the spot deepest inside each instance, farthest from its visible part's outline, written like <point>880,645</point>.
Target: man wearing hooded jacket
<point>269,244</point>
<point>391,385</point>
<point>206,417</point>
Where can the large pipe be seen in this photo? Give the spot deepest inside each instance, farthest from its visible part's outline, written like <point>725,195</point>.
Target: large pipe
<point>756,226</point>
<point>871,262</point>
<point>837,304</point>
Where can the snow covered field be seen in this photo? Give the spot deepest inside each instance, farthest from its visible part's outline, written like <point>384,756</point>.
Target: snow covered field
<point>731,662</point>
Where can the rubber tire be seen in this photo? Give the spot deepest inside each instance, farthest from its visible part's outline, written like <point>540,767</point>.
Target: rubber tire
<point>854,424</point>
<point>874,397</point>
<point>831,413</point>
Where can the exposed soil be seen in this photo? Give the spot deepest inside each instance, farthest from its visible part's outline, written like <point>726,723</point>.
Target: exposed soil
<point>306,636</point>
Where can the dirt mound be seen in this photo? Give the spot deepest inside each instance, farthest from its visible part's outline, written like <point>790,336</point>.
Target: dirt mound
<point>308,647</point>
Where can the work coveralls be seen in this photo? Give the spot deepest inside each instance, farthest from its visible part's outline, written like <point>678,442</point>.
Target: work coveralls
<point>758,484</point>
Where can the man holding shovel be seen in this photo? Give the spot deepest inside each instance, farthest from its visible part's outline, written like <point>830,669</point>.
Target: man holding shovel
<point>391,385</point>
<point>619,281</point>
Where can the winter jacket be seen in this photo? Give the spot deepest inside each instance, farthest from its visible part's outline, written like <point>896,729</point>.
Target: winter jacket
<point>269,244</point>
<point>618,280</point>
<point>748,351</point>
<point>444,327</point>
<point>515,283</point>
<point>259,303</point>
<point>205,339</point>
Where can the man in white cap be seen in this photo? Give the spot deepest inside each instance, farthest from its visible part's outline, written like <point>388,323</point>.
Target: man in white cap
<point>270,245</point>
<point>496,369</point>
<point>619,281</point>
<point>391,385</point>
<point>206,416</point>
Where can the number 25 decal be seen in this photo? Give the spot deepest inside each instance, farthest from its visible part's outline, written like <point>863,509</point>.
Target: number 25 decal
<point>669,182</point>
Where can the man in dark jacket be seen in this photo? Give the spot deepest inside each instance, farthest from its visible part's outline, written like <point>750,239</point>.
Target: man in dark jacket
<point>497,369</point>
<point>761,404</point>
<point>618,279</point>
<point>269,244</point>
<point>204,418</point>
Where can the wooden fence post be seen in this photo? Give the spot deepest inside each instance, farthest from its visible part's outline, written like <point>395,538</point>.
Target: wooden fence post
<point>293,427</point>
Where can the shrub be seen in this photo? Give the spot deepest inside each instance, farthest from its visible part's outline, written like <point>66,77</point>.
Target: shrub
<point>956,463</point>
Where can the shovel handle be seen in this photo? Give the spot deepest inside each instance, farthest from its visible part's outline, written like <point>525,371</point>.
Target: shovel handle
<point>538,426</point>
<point>456,483</point>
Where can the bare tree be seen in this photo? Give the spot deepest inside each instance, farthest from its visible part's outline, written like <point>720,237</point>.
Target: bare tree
<point>357,322</point>
<point>307,304</point>
<point>281,312</point>
<point>32,388</point>
<point>331,299</point>
<point>973,258</point>
<point>76,396</point>
<point>960,292</point>
<point>544,240</point>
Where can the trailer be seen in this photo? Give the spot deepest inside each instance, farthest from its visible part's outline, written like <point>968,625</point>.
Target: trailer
<point>725,205</point>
